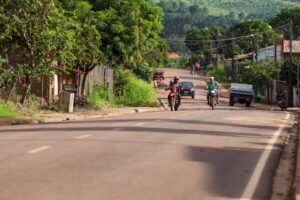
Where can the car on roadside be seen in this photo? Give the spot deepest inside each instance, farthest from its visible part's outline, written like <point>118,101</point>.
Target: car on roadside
<point>158,75</point>
<point>187,89</point>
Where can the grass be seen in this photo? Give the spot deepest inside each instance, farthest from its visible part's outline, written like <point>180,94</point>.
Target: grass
<point>99,98</point>
<point>133,91</point>
<point>7,110</point>
<point>218,73</point>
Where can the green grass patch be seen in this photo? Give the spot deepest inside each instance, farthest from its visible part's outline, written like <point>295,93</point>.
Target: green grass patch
<point>219,73</point>
<point>7,110</point>
<point>99,97</point>
<point>131,91</point>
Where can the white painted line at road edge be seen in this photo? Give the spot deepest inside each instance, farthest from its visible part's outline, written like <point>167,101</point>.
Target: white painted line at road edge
<point>38,149</point>
<point>83,136</point>
<point>256,175</point>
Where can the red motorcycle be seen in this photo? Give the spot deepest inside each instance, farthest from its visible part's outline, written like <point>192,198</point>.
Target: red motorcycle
<point>174,97</point>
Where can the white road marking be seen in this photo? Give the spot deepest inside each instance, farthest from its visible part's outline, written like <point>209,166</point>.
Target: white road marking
<point>256,175</point>
<point>83,136</point>
<point>140,124</point>
<point>38,149</point>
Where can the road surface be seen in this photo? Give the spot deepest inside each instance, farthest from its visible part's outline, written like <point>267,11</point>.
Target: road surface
<point>192,154</point>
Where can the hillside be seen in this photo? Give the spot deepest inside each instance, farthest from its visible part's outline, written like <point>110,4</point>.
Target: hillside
<point>219,7</point>
<point>182,15</point>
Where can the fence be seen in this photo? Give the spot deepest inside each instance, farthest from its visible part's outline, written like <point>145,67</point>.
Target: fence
<point>103,75</point>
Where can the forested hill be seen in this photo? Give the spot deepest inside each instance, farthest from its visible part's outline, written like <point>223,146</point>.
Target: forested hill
<point>182,15</point>
<point>222,7</point>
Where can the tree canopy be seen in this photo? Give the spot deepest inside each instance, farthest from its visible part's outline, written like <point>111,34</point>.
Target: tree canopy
<point>78,35</point>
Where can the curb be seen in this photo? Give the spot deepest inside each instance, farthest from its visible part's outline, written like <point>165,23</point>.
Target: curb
<point>285,172</point>
<point>10,122</point>
<point>74,116</point>
<point>295,192</point>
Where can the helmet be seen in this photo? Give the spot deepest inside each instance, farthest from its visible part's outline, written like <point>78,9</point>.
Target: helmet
<point>211,78</point>
<point>176,78</point>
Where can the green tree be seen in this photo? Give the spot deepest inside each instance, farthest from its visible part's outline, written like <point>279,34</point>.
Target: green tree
<point>286,67</point>
<point>259,73</point>
<point>130,31</point>
<point>83,22</point>
<point>260,34</point>
<point>28,30</point>
<point>198,41</point>
<point>282,20</point>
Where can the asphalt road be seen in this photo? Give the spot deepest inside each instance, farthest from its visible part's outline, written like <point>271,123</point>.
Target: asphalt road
<point>192,154</point>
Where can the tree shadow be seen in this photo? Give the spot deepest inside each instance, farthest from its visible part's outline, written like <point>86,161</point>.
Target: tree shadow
<point>231,169</point>
<point>159,120</point>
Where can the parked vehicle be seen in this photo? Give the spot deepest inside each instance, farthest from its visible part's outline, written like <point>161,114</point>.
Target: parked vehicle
<point>174,98</point>
<point>281,101</point>
<point>158,75</point>
<point>187,89</point>
<point>212,98</point>
<point>241,93</point>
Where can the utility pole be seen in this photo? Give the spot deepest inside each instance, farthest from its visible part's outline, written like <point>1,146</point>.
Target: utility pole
<point>217,48</point>
<point>255,48</point>
<point>290,95</point>
<point>233,70</point>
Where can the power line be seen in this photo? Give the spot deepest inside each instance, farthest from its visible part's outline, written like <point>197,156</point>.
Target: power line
<point>219,40</point>
<point>209,41</point>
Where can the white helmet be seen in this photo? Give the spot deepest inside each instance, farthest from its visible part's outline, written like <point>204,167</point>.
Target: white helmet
<point>212,78</point>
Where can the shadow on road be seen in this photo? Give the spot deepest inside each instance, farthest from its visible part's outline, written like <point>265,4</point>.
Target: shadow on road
<point>80,127</point>
<point>231,171</point>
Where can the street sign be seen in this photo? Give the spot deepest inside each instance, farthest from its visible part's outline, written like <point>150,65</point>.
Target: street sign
<point>70,88</point>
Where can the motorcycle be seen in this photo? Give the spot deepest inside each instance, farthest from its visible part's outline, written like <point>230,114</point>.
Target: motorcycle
<point>212,99</point>
<point>174,98</point>
<point>281,102</point>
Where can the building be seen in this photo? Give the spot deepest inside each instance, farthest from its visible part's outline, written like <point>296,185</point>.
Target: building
<point>283,50</point>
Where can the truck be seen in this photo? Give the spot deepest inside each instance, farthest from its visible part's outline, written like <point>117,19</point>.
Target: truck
<point>241,93</point>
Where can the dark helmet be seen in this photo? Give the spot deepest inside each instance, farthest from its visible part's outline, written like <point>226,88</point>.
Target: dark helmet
<point>176,78</point>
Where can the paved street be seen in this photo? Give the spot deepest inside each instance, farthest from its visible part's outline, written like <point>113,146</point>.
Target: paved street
<point>191,154</point>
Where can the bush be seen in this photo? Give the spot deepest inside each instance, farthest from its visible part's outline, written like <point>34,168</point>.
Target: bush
<point>99,97</point>
<point>144,72</point>
<point>132,91</point>
<point>219,73</point>
<point>7,110</point>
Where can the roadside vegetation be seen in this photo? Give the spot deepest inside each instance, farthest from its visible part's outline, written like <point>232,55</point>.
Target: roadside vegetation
<point>129,91</point>
<point>99,97</point>
<point>179,63</point>
<point>47,36</point>
<point>219,73</point>
<point>8,110</point>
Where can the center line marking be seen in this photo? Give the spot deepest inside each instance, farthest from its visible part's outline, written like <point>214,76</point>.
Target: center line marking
<point>140,124</point>
<point>38,149</point>
<point>83,136</point>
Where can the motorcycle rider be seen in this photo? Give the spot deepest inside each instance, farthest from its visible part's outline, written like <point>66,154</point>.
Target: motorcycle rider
<point>174,83</point>
<point>212,85</point>
<point>281,97</point>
